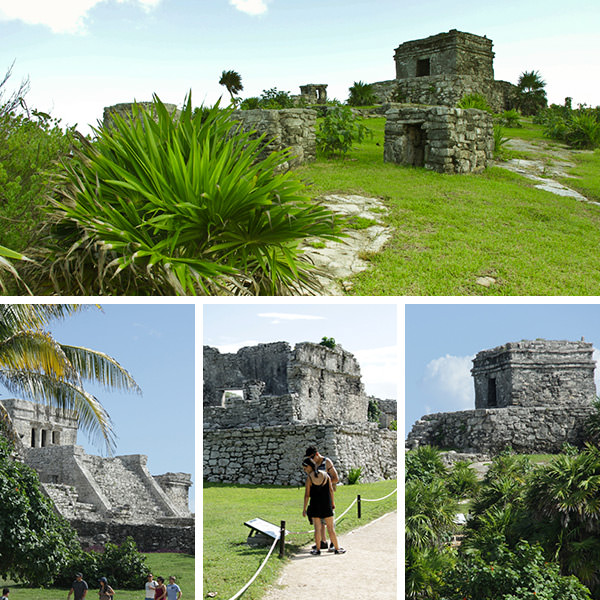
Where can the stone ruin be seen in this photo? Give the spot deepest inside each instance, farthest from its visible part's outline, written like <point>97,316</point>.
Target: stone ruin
<point>105,499</point>
<point>531,396</point>
<point>265,404</point>
<point>313,93</point>
<point>447,140</point>
<point>441,69</point>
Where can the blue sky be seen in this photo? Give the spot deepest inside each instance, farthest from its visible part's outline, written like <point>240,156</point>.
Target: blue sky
<point>82,55</point>
<point>442,340</point>
<point>368,330</point>
<point>155,343</point>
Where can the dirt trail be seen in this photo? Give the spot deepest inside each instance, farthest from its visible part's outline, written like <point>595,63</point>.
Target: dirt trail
<point>367,570</point>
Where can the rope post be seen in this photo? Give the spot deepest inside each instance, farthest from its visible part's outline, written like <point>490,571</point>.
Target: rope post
<point>282,539</point>
<point>358,505</point>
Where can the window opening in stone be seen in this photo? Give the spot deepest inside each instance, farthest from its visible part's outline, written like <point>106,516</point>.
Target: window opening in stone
<point>33,438</point>
<point>44,435</point>
<point>423,67</point>
<point>416,140</point>
<point>232,395</point>
<point>492,397</point>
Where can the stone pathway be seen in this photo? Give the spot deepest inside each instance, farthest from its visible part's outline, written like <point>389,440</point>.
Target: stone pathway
<point>367,570</point>
<point>555,162</point>
<point>341,260</point>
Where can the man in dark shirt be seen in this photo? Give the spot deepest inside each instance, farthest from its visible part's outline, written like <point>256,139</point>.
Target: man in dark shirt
<point>79,588</point>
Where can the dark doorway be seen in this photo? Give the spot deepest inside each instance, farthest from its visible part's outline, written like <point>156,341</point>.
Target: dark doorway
<point>492,397</point>
<point>416,140</point>
<point>423,66</point>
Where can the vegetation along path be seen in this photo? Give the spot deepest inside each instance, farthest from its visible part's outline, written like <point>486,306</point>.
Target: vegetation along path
<point>367,570</point>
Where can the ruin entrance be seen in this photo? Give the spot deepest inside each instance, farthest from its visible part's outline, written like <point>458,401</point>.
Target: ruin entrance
<point>231,394</point>
<point>492,393</point>
<point>416,140</point>
<point>423,67</point>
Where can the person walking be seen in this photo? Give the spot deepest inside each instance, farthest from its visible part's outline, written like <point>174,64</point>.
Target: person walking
<point>323,464</point>
<point>173,590</point>
<point>319,492</point>
<point>160,592</point>
<point>149,587</point>
<point>105,592</point>
<point>79,588</point>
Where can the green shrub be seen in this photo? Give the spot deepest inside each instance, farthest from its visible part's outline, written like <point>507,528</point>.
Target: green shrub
<point>583,130</point>
<point>510,118</point>
<point>275,98</point>
<point>250,103</point>
<point>499,139</point>
<point>361,94</point>
<point>329,342</point>
<point>180,205</point>
<point>424,464</point>
<point>36,543</point>
<point>339,130</point>
<point>474,101</point>
<point>373,411</point>
<point>354,475</point>
<point>394,425</point>
<point>462,480</point>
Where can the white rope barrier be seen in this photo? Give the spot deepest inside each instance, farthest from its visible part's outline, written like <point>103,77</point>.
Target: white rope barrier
<point>378,499</point>
<point>255,574</point>
<point>300,533</point>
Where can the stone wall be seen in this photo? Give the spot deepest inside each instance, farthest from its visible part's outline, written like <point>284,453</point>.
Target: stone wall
<point>535,373</point>
<point>39,426</point>
<point>303,384</point>
<point>293,128</point>
<point>451,53</point>
<point>155,537</point>
<point>447,140</point>
<point>526,430</point>
<point>273,455</point>
<point>124,110</point>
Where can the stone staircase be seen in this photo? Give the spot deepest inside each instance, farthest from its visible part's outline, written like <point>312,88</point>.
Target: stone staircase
<point>66,501</point>
<point>126,487</point>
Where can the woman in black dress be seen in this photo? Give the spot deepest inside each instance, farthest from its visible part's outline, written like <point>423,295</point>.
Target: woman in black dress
<point>319,491</point>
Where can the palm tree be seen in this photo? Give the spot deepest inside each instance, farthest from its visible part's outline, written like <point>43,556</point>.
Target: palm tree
<point>232,80</point>
<point>531,96</point>
<point>34,365</point>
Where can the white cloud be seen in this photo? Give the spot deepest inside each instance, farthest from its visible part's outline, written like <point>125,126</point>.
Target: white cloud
<point>66,16</point>
<point>278,317</point>
<point>450,377</point>
<point>250,7</point>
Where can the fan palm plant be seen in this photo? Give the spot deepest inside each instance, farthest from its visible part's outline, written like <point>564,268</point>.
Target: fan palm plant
<point>531,96</point>
<point>180,205</point>
<point>34,365</point>
<point>232,80</point>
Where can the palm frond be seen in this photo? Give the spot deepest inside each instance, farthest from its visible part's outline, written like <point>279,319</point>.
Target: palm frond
<point>64,395</point>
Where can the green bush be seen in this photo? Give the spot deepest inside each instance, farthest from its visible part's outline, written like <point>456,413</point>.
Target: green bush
<point>122,565</point>
<point>462,480</point>
<point>424,464</point>
<point>354,475</point>
<point>478,101</point>
<point>36,543</point>
<point>510,118</point>
<point>180,205</point>
<point>373,411</point>
<point>329,342</point>
<point>499,138</point>
<point>339,130</point>
<point>275,98</point>
<point>250,103</point>
<point>580,128</point>
<point>361,94</point>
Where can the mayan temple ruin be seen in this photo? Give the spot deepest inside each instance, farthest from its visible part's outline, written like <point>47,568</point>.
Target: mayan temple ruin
<point>532,396</point>
<point>265,404</point>
<point>104,499</point>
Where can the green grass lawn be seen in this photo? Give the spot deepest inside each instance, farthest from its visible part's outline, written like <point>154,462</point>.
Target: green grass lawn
<point>163,564</point>
<point>229,563</point>
<point>452,229</point>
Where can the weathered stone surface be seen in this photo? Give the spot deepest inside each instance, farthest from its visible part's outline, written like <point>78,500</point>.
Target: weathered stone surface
<point>443,68</point>
<point>313,396</point>
<point>447,140</point>
<point>125,110</point>
<point>293,128</point>
<point>531,396</point>
<point>117,492</point>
